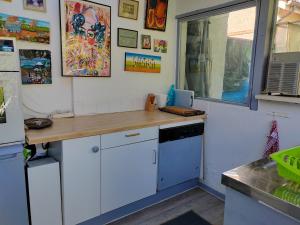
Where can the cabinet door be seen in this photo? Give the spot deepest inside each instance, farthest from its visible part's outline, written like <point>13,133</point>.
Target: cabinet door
<point>81,179</point>
<point>128,174</point>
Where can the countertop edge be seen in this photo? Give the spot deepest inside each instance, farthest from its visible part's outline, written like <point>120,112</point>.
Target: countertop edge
<point>95,132</point>
<point>262,197</point>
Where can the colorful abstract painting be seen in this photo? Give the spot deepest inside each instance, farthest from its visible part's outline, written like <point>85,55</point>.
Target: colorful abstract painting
<point>86,39</point>
<point>24,29</point>
<point>142,63</point>
<point>156,14</point>
<point>160,46</point>
<point>35,66</point>
<point>2,106</point>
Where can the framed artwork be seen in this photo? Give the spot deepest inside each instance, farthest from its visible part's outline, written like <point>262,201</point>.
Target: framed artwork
<point>36,5</point>
<point>129,9</point>
<point>9,54</point>
<point>142,63</point>
<point>24,29</point>
<point>127,38</point>
<point>7,45</point>
<point>2,106</point>
<point>156,14</point>
<point>86,38</point>
<point>35,66</point>
<point>160,46</point>
<point>146,41</point>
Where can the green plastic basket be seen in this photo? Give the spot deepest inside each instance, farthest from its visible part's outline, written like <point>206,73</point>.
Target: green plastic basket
<point>288,163</point>
<point>289,192</point>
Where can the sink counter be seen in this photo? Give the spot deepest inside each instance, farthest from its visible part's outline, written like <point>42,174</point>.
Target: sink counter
<point>258,181</point>
<point>84,126</point>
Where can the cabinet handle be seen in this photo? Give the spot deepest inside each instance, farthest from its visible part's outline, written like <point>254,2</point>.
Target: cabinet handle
<point>132,135</point>
<point>95,149</point>
<point>154,157</point>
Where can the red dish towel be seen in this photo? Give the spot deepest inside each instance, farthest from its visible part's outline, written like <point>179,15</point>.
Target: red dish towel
<point>273,140</point>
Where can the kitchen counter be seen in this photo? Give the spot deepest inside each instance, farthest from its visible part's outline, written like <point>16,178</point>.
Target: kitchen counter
<point>258,181</point>
<point>84,126</point>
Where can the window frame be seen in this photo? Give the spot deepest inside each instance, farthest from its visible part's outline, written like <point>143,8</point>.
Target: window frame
<point>262,42</point>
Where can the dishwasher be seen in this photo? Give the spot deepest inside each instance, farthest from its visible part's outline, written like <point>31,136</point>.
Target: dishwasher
<point>179,153</point>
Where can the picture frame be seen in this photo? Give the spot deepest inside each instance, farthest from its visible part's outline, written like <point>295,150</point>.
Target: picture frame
<point>127,38</point>
<point>128,9</point>
<point>142,63</point>
<point>25,29</point>
<point>35,5</point>
<point>9,54</point>
<point>160,46</point>
<point>156,15</point>
<point>145,41</point>
<point>36,67</point>
<point>85,38</point>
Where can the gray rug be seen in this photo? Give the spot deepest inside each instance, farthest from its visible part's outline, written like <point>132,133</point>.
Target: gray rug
<point>189,218</point>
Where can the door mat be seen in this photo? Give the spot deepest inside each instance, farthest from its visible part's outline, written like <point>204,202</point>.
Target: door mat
<point>189,218</point>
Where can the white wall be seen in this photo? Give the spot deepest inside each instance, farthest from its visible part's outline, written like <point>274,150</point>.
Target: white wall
<point>123,91</point>
<point>191,5</point>
<point>44,98</point>
<point>235,135</point>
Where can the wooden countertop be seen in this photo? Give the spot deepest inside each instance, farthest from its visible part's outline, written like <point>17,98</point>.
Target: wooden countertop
<point>84,126</point>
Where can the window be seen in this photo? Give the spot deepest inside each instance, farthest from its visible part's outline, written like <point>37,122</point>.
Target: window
<point>287,35</point>
<point>215,54</point>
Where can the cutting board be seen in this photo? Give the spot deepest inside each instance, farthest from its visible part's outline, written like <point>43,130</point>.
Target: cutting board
<point>181,111</point>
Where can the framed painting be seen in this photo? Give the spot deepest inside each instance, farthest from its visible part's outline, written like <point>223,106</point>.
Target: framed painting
<point>24,29</point>
<point>35,66</point>
<point>85,38</point>
<point>9,54</point>
<point>156,14</point>
<point>127,38</point>
<point>128,9</point>
<point>2,106</point>
<point>146,41</point>
<point>36,5</point>
<point>160,46</point>
<point>142,63</point>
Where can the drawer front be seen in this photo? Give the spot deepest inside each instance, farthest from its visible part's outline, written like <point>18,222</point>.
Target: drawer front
<point>128,137</point>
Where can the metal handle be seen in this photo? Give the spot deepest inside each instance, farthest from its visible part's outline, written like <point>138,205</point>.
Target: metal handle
<point>154,157</point>
<point>7,157</point>
<point>132,135</point>
<point>95,149</point>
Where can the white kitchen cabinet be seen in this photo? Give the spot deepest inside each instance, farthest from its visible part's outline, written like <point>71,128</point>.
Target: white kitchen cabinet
<point>80,175</point>
<point>128,174</point>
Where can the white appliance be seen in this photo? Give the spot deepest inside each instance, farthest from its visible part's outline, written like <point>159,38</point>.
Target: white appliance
<point>44,192</point>
<point>184,98</point>
<point>11,122</point>
<point>284,74</point>
<point>13,203</point>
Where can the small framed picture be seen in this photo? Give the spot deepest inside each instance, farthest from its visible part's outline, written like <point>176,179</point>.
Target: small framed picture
<point>129,9</point>
<point>127,38</point>
<point>36,5</point>
<point>160,46</point>
<point>146,41</point>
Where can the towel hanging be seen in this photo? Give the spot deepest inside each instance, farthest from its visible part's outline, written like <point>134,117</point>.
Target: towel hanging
<point>273,140</point>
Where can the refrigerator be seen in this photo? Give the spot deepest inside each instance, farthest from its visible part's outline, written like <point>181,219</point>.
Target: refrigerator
<point>13,198</point>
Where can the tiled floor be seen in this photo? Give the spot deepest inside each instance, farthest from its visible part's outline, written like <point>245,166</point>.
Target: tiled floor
<point>202,203</point>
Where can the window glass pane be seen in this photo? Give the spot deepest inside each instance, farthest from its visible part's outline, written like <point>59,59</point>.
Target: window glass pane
<point>215,55</point>
<point>287,37</point>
